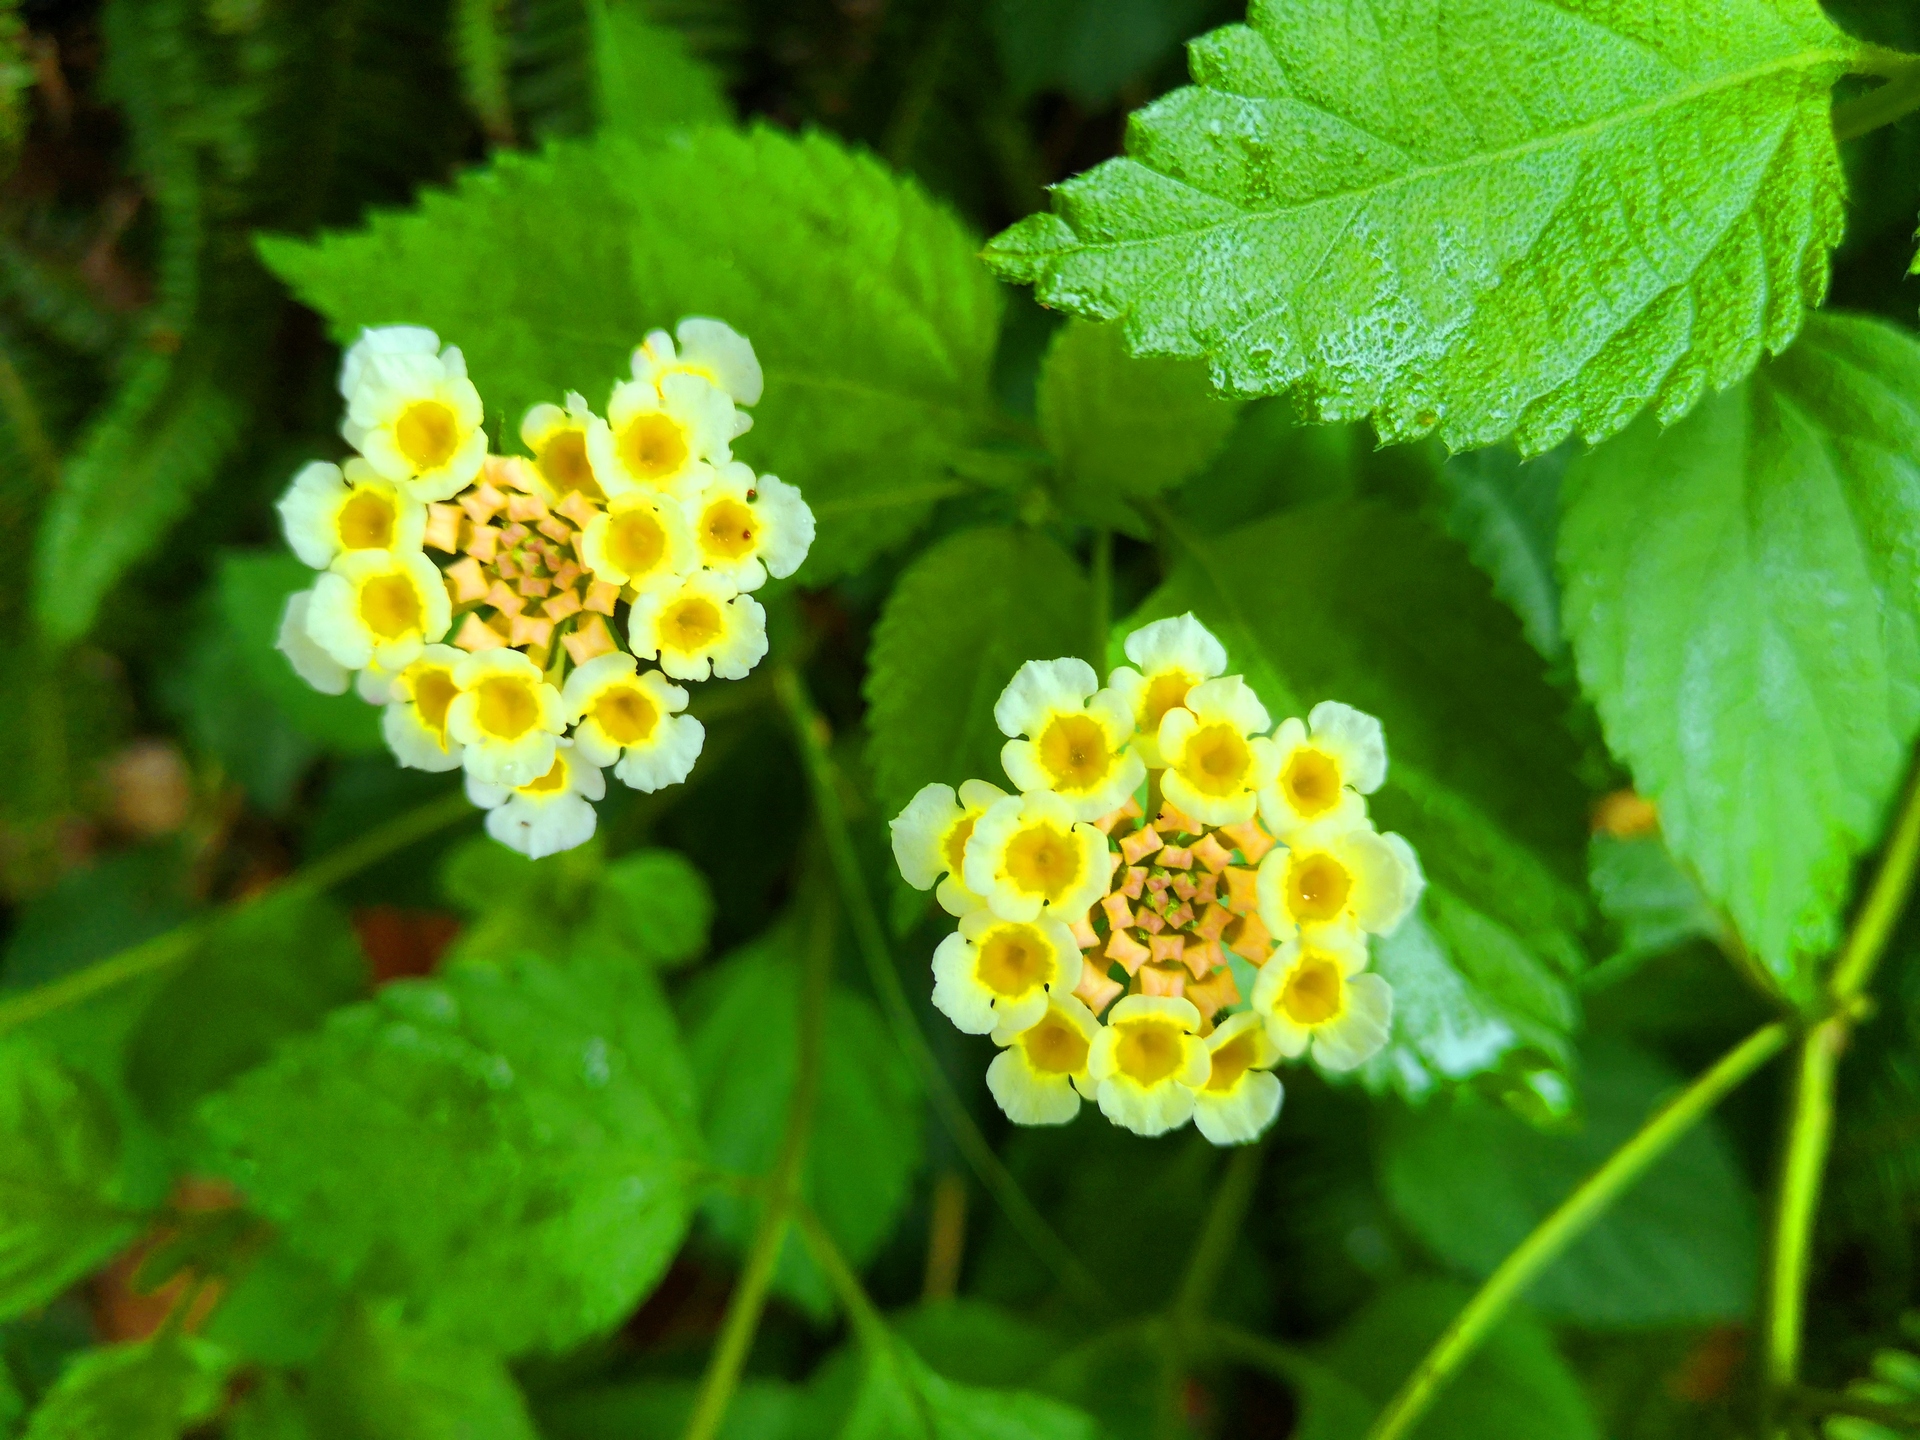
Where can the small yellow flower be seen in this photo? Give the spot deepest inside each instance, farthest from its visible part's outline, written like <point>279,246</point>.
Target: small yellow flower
<point>631,721</point>
<point>930,840</point>
<point>1027,854</point>
<point>415,718</point>
<point>1325,766</point>
<point>1332,877</point>
<point>641,540</point>
<point>326,513</point>
<point>1041,1073</point>
<point>1240,1098</point>
<point>557,439</point>
<point>748,528</point>
<point>1147,1062</point>
<point>1077,737</point>
<point>996,974</point>
<point>378,606</point>
<point>309,661</point>
<point>507,715</point>
<point>1315,993</point>
<point>697,626</point>
<point>711,349</point>
<point>665,439</point>
<point>548,814</point>
<point>1217,760</point>
<point>415,416</point>
<point>1174,655</point>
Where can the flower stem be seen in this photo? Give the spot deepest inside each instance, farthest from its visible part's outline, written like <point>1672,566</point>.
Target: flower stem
<point>164,951</point>
<point>1566,1224</point>
<point>825,780</point>
<point>749,1298</point>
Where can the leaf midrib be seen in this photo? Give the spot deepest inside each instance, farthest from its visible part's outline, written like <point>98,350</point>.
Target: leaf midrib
<point>1800,60</point>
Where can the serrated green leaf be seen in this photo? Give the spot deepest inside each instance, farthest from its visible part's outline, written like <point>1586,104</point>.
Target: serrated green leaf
<point>1515,1388</point>
<point>62,1211</point>
<point>898,1397</point>
<point>153,1391</point>
<point>253,586</point>
<point>646,78</point>
<point>269,971</point>
<point>1753,656</point>
<point>873,320</point>
<point>1506,511</point>
<point>652,906</point>
<point>743,1040</point>
<point>1353,602</point>
<point>1472,1180</point>
<point>1491,218</point>
<point>1123,429</point>
<point>502,1149</point>
<point>1652,903</point>
<point>966,614</point>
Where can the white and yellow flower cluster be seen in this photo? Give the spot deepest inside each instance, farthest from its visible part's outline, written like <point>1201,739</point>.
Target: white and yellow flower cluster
<point>641,517</point>
<point>1093,945</point>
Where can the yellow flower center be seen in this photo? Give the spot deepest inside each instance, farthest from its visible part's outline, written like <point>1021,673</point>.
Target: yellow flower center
<point>506,707</point>
<point>1073,748</point>
<point>433,692</point>
<point>1317,888</point>
<point>1043,859</point>
<point>636,541</point>
<point>1312,782</point>
<point>390,606</point>
<point>691,624</point>
<point>1217,759</point>
<point>1165,691</point>
<point>1313,991</point>
<point>1055,1047</point>
<point>955,846</point>
<point>1232,1060</point>
<point>1146,1051</point>
<point>626,714</point>
<point>1013,959</point>
<point>554,780</point>
<point>653,446</point>
<point>428,434</point>
<point>367,521</point>
<point>563,461</point>
<point>728,529</point>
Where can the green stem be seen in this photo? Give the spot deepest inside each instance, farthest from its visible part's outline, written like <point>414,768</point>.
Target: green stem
<point>1282,1362</point>
<point>1570,1221</point>
<point>1895,100</point>
<point>1902,1419</point>
<point>1873,926</point>
<point>163,952</point>
<point>749,1298</point>
<point>17,405</point>
<point>824,779</point>
<point>1102,597</point>
<point>864,1315</point>
<point>1217,1234</point>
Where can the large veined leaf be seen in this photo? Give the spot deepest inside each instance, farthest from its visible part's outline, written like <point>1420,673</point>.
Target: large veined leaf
<point>1489,217</point>
<point>965,615</point>
<point>1351,602</point>
<point>873,320</point>
<point>1755,656</point>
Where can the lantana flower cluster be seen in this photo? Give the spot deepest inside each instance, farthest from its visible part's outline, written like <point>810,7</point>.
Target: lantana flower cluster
<point>1159,826</point>
<point>524,618</point>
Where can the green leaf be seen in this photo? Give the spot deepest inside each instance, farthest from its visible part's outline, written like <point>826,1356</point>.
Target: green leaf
<point>759,1410</point>
<point>269,971</point>
<point>1506,511</point>
<point>1472,1180</point>
<point>965,615</point>
<point>1089,48</point>
<point>1352,602</point>
<point>1120,428</point>
<point>1754,655</point>
<point>1515,1388</point>
<point>873,320</point>
<point>1491,218</point>
<point>253,587</point>
<point>897,1396</point>
<point>502,1148</point>
<point>517,904</point>
<point>219,705</point>
<point>480,49</point>
<point>1651,901</point>
<point>646,78</point>
<point>136,469</point>
<point>61,1208</point>
<point>154,1391</point>
<point>653,906</point>
<point>865,1143</point>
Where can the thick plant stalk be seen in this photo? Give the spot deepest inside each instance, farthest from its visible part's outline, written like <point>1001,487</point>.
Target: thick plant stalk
<point>1459,1341</point>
